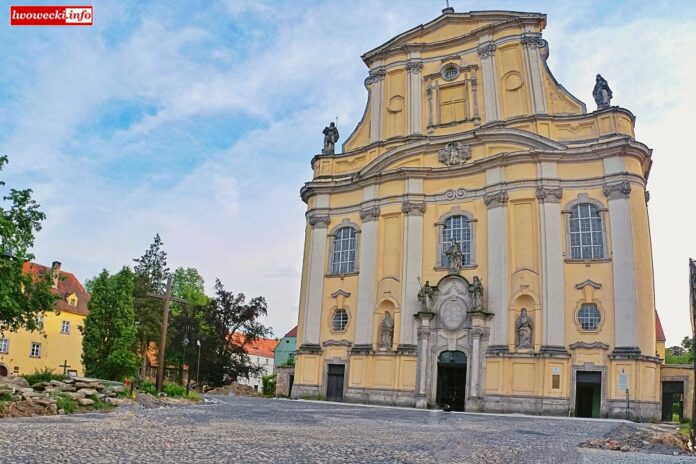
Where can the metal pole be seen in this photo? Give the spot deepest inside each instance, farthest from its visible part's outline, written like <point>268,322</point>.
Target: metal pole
<point>163,335</point>
<point>198,366</point>
<point>692,294</point>
<point>628,403</point>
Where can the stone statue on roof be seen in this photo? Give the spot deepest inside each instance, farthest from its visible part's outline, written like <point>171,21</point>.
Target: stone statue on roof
<point>330,139</point>
<point>602,93</point>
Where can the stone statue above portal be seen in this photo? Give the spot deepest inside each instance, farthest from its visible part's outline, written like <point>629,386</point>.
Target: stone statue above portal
<point>476,293</point>
<point>330,139</point>
<point>524,328</point>
<point>386,330</point>
<point>425,296</point>
<point>602,93</point>
<point>455,257</point>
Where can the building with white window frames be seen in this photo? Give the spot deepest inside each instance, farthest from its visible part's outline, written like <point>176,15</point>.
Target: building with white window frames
<point>482,241</point>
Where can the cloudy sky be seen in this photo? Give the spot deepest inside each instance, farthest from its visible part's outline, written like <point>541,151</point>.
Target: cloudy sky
<point>200,123</point>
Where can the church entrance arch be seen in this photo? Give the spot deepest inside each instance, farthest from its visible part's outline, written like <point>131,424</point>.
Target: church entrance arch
<point>451,380</point>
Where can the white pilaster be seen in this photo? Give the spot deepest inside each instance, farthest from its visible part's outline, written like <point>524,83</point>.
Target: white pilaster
<point>414,96</point>
<point>315,287</point>
<point>531,44</point>
<point>376,81</point>
<point>623,263</point>
<point>498,266</point>
<point>475,356</point>
<point>490,80</point>
<point>553,305</point>
<point>412,265</point>
<point>367,271</point>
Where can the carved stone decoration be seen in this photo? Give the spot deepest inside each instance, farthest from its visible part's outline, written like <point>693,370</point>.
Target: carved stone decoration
<point>486,50</point>
<point>524,327</point>
<point>588,346</point>
<point>455,154</point>
<point>647,197</point>
<point>602,93</point>
<point>496,199</point>
<point>408,207</point>
<point>550,195</point>
<point>620,190</point>
<point>476,293</point>
<point>533,41</point>
<point>414,66</point>
<point>386,331</point>
<point>376,75</point>
<point>455,257</point>
<point>425,296</point>
<point>370,214</point>
<point>330,139</point>
<point>452,313</point>
<point>318,221</point>
<point>452,194</point>
<point>453,303</point>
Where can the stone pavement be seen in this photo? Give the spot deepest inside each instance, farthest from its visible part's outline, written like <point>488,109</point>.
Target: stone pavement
<point>255,430</point>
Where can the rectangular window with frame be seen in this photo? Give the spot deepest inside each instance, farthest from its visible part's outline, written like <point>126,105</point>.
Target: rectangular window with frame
<point>452,103</point>
<point>4,345</point>
<point>65,327</point>
<point>35,350</point>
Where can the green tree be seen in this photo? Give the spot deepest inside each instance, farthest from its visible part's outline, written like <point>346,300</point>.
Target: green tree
<point>151,273</point>
<point>24,297</point>
<point>230,324</point>
<point>108,345</point>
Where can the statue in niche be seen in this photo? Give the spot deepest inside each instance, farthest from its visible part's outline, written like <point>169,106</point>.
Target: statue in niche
<point>524,328</point>
<point>330,139</point>
<point>602,93</point>
<point>425,296</point>
<point>455,257</point>
<point>476,293</point>
<point>386,330</point>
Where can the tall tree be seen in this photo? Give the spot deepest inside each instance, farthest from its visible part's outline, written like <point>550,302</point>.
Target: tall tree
<point>230,325</point>
<point>108,345</point>
<point>24,297</point>
<point>151,273</point>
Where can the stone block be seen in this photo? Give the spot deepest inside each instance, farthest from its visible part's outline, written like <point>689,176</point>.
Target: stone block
<point>87,391</point>
<point>74,395</point>
<point>85,402</point>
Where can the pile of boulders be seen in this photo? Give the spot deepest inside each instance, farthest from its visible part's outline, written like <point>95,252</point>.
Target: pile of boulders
<point>234,389</point>
<point>40,398</point>
<point>646,438</point>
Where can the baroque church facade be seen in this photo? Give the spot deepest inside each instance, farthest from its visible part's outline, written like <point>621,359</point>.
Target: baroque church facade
<point>482,242</point>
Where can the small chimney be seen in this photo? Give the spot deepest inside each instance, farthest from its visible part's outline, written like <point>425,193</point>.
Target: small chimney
<point>55,273</point>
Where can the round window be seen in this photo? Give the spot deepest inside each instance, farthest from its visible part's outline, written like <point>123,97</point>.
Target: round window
<point>589,317</point>
<point>450,73</point>
<point>340,320</point>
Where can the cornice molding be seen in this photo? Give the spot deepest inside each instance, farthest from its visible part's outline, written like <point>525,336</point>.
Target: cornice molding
<point>589,346</point>
<point>589,282</point>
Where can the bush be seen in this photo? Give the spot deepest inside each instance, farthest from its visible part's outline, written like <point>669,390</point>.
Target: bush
<point>43,375</point>
<point>681,359</point>
<point>4,396</point>
<point>148,387</point>
<point>195,396</point>
<point>269,384</point>
<point>66,403</point>
<point>174,389</point>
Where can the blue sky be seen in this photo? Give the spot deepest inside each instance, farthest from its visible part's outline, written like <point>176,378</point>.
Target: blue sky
<point>198,120</point>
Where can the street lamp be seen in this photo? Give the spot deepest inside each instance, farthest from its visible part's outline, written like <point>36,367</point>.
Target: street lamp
<point>184,343</point>
<point>198,365</point>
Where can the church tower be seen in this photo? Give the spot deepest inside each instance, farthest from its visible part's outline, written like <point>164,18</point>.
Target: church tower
<point>482,241</point>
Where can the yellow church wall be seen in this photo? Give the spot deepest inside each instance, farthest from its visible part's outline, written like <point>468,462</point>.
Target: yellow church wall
<point>521,171</point>
<point>579,170</point>
<point>56,347</point>
<point>390,245</point>
<point>557,101</point>
<point>644,270</point>
<point>681,373</point>
<point>391,188</point>
<point>337,200</point>
<point>512,85</point>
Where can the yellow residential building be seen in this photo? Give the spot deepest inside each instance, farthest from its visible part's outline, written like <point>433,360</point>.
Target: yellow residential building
<point>482,242</point>
<point>60,346</point>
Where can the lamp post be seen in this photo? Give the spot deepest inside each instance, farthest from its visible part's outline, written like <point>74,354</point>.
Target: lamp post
<point>184,343</point>
<point>198,365</point>
<point>692,304</point>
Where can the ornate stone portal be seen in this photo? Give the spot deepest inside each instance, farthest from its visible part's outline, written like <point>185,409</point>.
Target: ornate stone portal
<point>452,319</point>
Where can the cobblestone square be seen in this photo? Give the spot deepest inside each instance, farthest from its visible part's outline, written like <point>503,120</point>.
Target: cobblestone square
<point>255,430</point>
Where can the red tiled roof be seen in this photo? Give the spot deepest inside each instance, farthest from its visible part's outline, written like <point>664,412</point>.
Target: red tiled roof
<point>67,285</point>
<point>292,333</point>
<point>659,333</point>
<point>259,347</point>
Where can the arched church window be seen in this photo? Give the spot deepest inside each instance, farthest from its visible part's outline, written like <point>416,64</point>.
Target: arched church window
<point>343,252</point>
<point>586,232</point>
<point>456,229</point>
<point>340,320</point>
<point>589,317</point>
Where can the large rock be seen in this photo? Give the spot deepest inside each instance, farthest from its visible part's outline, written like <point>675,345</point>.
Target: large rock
<point>58,384</point>
<point>20,382</point>
<point>74,395</point>
<point>85,402</point>
<point>87,391</point>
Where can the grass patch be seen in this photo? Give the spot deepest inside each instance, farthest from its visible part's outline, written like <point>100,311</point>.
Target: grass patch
<point>313,397</point>
<point>100,404</point>
<point>66,403</point>
<point>195,396</point>
<point>43,375</point>
<point>174,389</point>
<point>685,429</point>
<point>4,396</point>
<point>148,387</point>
